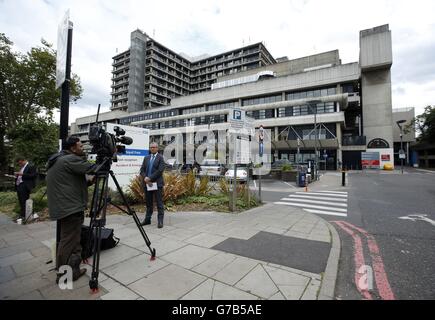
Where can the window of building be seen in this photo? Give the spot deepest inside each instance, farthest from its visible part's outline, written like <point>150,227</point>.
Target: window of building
<point>261,100</point>
<point>310,134</point>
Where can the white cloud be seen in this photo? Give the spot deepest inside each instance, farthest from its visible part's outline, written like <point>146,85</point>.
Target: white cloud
<point>292,28</point>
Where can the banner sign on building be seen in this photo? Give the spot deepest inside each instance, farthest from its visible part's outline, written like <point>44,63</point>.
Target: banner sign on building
<point>370,160</point>
<point>128,164</point>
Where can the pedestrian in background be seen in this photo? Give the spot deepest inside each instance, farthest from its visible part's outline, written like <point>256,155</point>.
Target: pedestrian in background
<point>25,181</point>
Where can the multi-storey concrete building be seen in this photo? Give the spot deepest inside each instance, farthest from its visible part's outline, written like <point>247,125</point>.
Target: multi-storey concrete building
<point>350,103</point>
<point>149,75</point>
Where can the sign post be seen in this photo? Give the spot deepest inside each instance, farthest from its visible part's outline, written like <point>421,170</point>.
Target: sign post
<point>63,77</point>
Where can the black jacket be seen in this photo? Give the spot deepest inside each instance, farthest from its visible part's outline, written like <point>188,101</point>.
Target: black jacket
<point>28,177</point>
<point>157,171</point>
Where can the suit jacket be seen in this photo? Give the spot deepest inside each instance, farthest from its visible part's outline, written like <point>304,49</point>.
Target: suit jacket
<point>157,169</point>
<point>28,177</point>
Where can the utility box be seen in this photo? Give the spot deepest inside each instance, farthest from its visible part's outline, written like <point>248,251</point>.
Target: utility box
<point>301,179</point>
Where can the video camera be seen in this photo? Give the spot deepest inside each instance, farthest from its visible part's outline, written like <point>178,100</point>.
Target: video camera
<point>105,144</point>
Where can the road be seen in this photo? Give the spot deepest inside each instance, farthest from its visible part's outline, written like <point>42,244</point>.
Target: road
<point>405,264</point>
<point>386,223</point>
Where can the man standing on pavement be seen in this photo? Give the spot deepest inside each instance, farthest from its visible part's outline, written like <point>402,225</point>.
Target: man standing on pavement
<point>152,172</point>
<point>24,183</point>
<point>67,192</point>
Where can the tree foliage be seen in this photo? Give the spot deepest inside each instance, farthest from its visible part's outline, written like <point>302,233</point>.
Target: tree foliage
<point>36,139</point>
<point>27,89</point>
<point>424,124</point>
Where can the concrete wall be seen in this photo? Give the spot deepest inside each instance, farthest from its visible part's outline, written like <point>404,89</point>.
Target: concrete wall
<point>375,48</point>
<point>292,66</point>
<point>136,77</point>
<point>376,60</point>
<point>305,80</point>
<point>407,114</point>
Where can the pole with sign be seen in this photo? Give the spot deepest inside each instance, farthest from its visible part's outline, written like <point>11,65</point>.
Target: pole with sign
<point>63,77</point>
<point>63,71</point>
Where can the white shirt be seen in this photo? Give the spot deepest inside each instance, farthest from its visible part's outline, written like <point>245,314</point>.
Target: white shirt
<point>20,178</point>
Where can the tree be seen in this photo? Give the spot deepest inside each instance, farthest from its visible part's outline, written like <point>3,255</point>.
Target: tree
<point>424,124</point>
<point>27,88</point>
<point>36,139</point>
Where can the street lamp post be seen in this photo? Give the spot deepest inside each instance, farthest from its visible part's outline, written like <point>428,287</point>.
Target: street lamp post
<point>401,142</point>
<point>313,104</point>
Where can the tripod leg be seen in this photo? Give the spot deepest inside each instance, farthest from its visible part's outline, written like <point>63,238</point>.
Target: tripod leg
<point>96,231</point>
<point>135,218</point>
<point>99,197</point>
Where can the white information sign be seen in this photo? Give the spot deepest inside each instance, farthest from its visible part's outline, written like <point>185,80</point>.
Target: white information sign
<point>62,44</point>
<point>128,165</point>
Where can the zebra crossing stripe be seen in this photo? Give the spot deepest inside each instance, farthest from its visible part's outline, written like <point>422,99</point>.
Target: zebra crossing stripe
<point>329,213</point>
<point>315,202</point>
<point>337,192</point>
<point>324,194</point>
<point>316,197</point>
<point>303,205</point>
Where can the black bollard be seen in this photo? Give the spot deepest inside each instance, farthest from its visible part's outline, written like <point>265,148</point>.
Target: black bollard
<point>343,178</point>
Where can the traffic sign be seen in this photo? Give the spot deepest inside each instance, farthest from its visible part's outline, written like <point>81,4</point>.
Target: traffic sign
<point>402,154</point>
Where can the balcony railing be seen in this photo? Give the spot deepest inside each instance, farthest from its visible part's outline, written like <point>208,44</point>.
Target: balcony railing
<point>354,141</point>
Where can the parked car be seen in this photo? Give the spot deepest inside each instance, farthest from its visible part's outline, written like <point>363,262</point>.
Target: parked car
<point>172,164</point>
<point>211,167</point>
<point>241,173</point>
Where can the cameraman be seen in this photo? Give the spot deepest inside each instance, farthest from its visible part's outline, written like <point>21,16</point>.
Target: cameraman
<point>67,192</point>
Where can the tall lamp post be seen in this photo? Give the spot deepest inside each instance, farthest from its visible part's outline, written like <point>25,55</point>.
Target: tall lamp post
<point>401,152</point>
<point>312,104</point>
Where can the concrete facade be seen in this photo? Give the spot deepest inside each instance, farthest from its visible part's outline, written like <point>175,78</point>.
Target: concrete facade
<point>352,102</point>
<point>375,62</point>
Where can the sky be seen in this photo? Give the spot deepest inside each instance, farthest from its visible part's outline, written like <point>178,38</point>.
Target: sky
<point>292,28</point>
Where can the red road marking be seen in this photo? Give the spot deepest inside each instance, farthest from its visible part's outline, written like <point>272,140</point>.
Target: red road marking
<point>359,258</point>
<point>381,279</point>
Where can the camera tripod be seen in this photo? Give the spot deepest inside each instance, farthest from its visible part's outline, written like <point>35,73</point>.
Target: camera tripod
<point>100,200</point>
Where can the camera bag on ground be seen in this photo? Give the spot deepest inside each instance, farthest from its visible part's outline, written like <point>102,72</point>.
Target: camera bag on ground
<point>108,241</point>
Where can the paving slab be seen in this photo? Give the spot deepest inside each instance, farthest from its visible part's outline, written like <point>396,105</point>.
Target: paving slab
<point>202,292</point>
<point>20,286</point>
<point>215,264</point>
<point>16,258</point>
<point>6,274</point>
<point>206,240</point>
<point>166,245</point>
<point>169,283</point>
<point>134,268</point>
<point>258,282</point>
<point>222,291</point>
<point>236,270</point>
<point>116,255</point>
<point>120,293</point>
<point>189,256</point>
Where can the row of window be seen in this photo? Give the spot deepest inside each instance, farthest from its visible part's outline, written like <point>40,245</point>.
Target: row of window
<point>262,100</point>
<point>311,93</point>
<point>204,120</point>
<point>193,110</point>
<point>221,106</point>
<point>147,116</point>
<point>303,110</point>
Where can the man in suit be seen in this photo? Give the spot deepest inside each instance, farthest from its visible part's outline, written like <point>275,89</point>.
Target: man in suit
<point>25,181</point>
<point>152,172</point>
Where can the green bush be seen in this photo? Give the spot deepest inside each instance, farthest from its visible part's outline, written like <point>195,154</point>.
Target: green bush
<point>286,167</point>
<point>8,198</point>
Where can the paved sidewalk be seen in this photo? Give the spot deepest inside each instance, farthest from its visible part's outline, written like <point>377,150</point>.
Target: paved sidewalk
<point>200,255</point>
